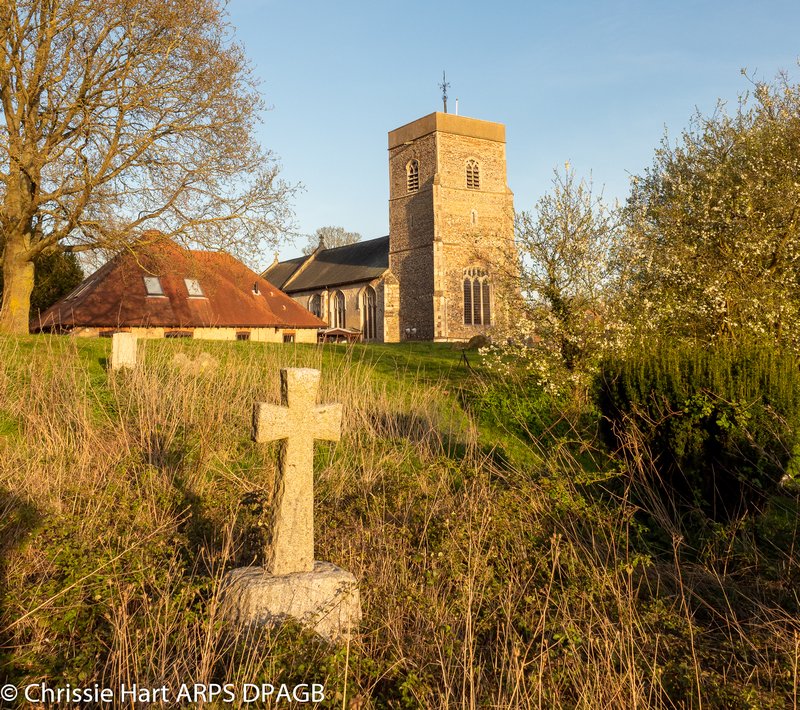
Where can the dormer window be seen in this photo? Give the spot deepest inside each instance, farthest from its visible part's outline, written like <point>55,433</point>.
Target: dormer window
<point>255,288</point>
<point>473,175</point>
<point>153,286</point>
<point>412,175</point>
<point>193,288</point>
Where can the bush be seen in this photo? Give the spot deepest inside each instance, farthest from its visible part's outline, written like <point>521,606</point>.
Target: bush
<point>718,423</point>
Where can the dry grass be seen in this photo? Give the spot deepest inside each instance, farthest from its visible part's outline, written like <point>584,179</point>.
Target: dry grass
<point>484,585</point>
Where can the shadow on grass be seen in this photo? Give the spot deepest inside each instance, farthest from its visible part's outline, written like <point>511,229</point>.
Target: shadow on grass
<point>423,432</point>
<point>17,519</point>
<point>173,459</point>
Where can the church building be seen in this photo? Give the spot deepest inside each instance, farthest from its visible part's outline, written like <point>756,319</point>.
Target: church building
<point>437,276</point>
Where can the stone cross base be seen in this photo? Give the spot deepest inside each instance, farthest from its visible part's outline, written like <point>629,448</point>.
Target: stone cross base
<point>326,600</point>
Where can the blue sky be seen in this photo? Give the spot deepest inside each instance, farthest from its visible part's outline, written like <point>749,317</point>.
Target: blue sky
<point>592,83</point>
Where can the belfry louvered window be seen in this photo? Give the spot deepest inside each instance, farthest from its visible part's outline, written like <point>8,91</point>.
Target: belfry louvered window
<point>477,297</point>
<point>473,175</point>
<point>412,175</point>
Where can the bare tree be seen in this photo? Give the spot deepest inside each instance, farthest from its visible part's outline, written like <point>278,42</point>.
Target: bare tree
<point>329,238</point>
<point>120,116</point>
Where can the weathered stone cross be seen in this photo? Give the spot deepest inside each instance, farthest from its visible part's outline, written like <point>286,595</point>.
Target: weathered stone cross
<point>298,421</point>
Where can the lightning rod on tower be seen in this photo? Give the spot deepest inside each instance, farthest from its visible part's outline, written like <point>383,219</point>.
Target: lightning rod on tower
<point>444,86</point>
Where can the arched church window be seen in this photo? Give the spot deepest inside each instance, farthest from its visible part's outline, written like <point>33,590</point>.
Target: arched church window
<point>412,175</point>
<point>473,175</point>
<point>315,305</point>
<point>477,297</point>
<point>369,310</point>
<point>338,319</point>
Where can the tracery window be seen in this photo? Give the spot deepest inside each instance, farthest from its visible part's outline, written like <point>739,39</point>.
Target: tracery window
<point>315,305</point>
<point>473,175</point>
<point>412,175</point>
<point>369,302</point>
<point>338,319</point>
<point>477,297</point>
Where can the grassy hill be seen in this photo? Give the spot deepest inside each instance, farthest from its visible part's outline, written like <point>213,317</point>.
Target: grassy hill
<point>501,564</point>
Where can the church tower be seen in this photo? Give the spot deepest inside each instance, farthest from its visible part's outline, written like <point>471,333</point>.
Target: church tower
<point>450,227</point>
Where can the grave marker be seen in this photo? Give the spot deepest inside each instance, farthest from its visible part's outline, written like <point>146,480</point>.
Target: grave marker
<point>319,595</point>
<point>298,421</point>
<point>123,351</point>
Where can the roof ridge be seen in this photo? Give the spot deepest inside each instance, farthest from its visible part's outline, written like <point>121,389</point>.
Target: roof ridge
<point>358,243</point>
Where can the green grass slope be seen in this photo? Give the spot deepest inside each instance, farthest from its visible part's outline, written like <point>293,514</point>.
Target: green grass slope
<point>499,566</point>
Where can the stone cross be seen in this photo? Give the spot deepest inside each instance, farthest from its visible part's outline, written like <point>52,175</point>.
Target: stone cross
<point>123,350</point>
<point>297,421</point>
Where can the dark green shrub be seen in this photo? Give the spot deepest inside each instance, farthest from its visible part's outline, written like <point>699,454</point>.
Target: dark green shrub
<point>719,423</point>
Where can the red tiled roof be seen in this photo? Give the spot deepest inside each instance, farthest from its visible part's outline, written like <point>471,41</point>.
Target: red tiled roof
<point>115,295</point>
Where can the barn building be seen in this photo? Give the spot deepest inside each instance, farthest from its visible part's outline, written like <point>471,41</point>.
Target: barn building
<point>165,290</point>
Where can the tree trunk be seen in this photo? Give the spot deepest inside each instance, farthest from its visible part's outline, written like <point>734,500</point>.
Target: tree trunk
<point>17,288</point>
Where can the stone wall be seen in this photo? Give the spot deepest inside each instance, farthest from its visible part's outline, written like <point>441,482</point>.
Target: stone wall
<point>305,335</point>
<point>475,227</point>
<point>411,226</point>
<point>214,333</point>
<point>390,295</point>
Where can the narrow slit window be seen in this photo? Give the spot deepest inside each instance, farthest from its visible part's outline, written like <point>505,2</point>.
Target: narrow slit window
<point>369,313</point>
<point>473,175</point>
<point>81,289</point>
<point>153,286</point>
<point>412,175</point>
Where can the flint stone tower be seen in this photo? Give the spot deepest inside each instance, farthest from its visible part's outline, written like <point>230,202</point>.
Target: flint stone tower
<point>450,227</point>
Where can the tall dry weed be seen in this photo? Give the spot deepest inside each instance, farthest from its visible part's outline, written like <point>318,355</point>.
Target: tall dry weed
<point>484,584</point>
